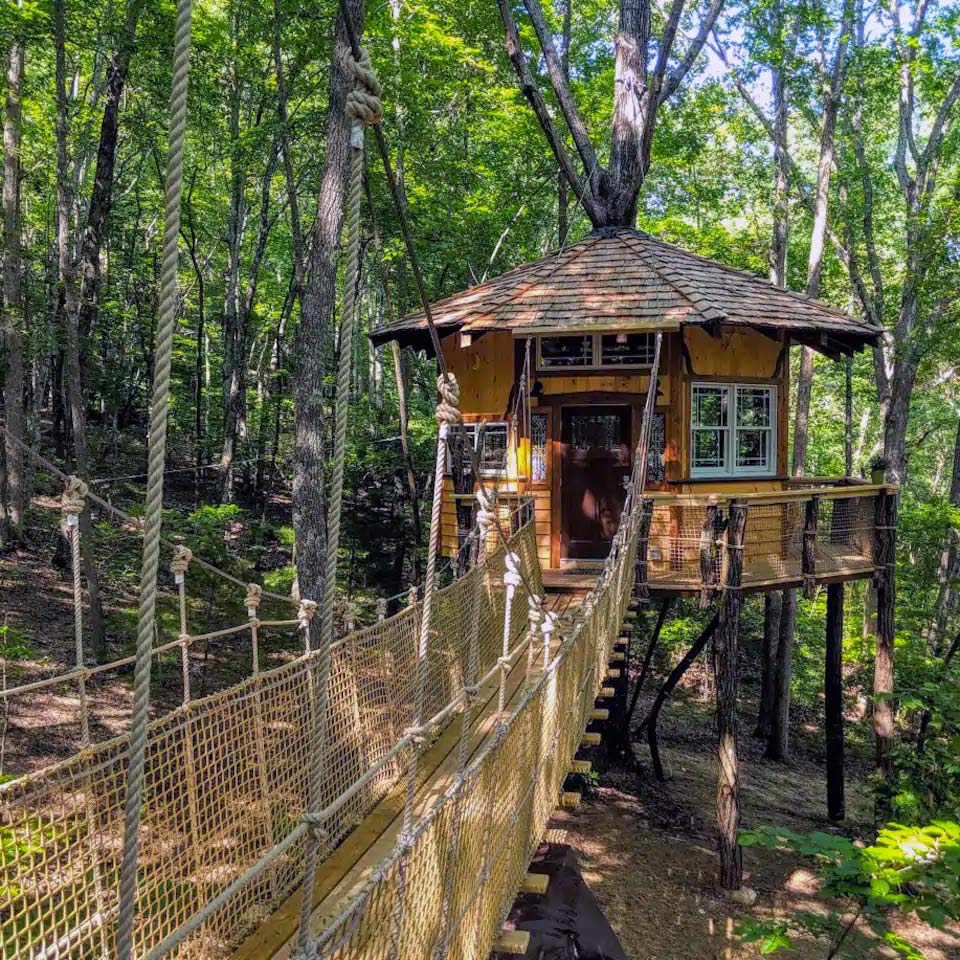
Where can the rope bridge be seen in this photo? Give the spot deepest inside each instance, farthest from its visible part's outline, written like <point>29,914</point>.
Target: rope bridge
<point>223,825</point>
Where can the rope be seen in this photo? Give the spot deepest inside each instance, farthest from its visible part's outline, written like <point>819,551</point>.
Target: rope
<point>72,503</point>
<point>153,506</point>
<point>363,106</point>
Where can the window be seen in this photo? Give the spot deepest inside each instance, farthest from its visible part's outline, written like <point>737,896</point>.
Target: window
<point>538,447</point>
<point>732,430</point>
<point>566,352</point>
<point>490,440</point>
<point>595,351</point>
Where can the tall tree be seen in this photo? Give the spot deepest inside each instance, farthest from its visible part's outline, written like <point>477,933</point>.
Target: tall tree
<point>16,483</point>
<point>640,88</point>
<point>309,503</point>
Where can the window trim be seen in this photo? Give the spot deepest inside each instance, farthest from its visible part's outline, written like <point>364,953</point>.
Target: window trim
<point>730,468</point>
<point>596,352</point>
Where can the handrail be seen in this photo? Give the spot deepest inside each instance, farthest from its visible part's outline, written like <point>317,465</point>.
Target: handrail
<point>833,492</point>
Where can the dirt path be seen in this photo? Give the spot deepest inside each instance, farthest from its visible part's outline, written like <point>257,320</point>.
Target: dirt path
<point>646,849</point>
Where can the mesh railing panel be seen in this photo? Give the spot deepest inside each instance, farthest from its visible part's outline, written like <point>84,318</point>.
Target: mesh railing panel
<point>226,781</point>
<point>773,540</point>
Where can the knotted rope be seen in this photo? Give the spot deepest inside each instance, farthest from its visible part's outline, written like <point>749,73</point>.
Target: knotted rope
<point>252,600</point>
<point>448,408</point>
<point>73,500</point>
<point>363,101</point>
<point>153,503</point>
<point>180,563</point>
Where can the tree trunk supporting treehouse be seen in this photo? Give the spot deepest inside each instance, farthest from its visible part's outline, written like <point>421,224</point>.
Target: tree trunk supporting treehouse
<point>884,582</point>
<point>725,666</point>
<point>833,702</point>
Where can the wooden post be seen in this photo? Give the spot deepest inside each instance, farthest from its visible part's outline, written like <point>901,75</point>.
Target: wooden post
<point>833,702</point>
<point>884,582</point>
<point>707,545</point>
<point>725,664</point>
<point>809,559</point>
<point>641,588</point>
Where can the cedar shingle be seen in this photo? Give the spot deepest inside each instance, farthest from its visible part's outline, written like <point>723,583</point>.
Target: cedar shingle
<point>620,277</point>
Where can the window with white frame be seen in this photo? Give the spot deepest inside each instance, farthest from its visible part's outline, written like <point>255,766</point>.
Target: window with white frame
<point>596,351</point>
<point>490,440</point>
<point>732,430</point>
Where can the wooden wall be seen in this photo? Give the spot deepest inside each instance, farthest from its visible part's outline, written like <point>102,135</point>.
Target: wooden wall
<point>487,369</point>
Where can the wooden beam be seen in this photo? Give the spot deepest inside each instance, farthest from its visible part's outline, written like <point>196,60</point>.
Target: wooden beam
<point>725,664</point>
<point>570,798</point>
<point>581,767</point>
<point>598,714</point>
<point>591,739</point>
<point>535,883</point>
<point>833,702</point>
<point>514,942</point>
<point>808,562</point>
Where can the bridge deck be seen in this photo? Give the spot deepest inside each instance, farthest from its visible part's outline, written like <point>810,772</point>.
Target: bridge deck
<point>342,875</point>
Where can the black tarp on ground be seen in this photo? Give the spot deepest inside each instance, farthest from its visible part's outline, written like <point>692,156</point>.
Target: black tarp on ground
<point>565,923</point>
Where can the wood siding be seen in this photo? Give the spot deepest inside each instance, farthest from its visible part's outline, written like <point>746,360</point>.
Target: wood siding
<point>487,369</point>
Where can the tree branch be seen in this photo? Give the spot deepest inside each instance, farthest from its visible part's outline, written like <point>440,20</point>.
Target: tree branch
<point>529,88</point>
<point>675,78</point>
<point>561,88</point>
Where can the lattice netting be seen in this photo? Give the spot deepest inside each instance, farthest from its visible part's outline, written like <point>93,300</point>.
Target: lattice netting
<point>773,539</point>
<point>226,782</point>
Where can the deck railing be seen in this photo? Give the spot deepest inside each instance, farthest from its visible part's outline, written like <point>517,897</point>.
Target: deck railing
<point>815,530</point>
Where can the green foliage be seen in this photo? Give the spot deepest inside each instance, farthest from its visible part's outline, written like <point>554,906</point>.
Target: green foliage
<point>908,870</point>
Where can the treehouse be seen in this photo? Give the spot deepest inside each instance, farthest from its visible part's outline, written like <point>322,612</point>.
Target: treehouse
<point>555,360</point>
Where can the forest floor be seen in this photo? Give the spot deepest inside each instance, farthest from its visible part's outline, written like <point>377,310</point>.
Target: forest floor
<point>647,850</point>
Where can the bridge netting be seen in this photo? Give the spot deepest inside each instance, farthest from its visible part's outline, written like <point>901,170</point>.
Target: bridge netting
<point>222,835</point>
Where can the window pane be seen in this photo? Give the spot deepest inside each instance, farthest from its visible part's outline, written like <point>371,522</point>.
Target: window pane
<point>492,447</point>
<point>538,447</point>
<point>626,349</point>
<point>709,406</point>
<point>753,448</point>
<point>566,351</point>
<point>709,449</point>
<point>458,458</point>
<point>753,406</point>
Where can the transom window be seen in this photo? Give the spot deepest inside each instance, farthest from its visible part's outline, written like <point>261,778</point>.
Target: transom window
<point>595,351</point>
<point>732,430</point>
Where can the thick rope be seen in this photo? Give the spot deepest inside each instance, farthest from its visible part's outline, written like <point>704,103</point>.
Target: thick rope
<point>448,416</point>
<point>154,495</point>
<point>363,107</point>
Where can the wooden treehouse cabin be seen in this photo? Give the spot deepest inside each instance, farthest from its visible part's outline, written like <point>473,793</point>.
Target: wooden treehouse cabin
<point>554,363</point>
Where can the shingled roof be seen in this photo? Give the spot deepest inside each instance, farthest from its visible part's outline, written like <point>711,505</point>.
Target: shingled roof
<point>616,277</point>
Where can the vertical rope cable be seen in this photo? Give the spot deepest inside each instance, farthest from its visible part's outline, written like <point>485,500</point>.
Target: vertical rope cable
<point>154,497</point>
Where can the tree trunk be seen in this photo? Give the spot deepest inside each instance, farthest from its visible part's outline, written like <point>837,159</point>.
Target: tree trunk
<point>945,603</point>
<point>309,512</point>
<point>779,242</point>
<point>725,646</point>
<point>71,317</point>
<point>833,702</point>
<point>885,581</point>
<point>16,482</point>
<point>101,196</point>
<point>772,609</point>
<point>778,746</point>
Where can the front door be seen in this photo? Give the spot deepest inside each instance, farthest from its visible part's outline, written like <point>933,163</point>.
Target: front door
<point>595,461</point>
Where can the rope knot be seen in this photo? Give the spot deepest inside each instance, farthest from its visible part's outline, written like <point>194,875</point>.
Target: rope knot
<point>471,694</point>
<point>418,735</point>
<point>73,499</point>
<point>504,663</point>
<point>486,511</point>
<point>363,101</point>
<point>535,612</point>
<point>448,407</point>
<point>180,561</point>
<point>381,608</point>
<point>305,614</point>
<point>314,822</point>
<point>252,599</point>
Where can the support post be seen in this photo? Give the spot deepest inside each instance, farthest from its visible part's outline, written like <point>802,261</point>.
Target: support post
<point>641,587</point>
<point>884,582</point>
<point>707,545</point>
<point>809,558</point>
<point>833,702</point>
<point>725,665</point>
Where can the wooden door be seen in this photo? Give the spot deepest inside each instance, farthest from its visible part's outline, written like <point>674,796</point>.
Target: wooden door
<point>595,461</point>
